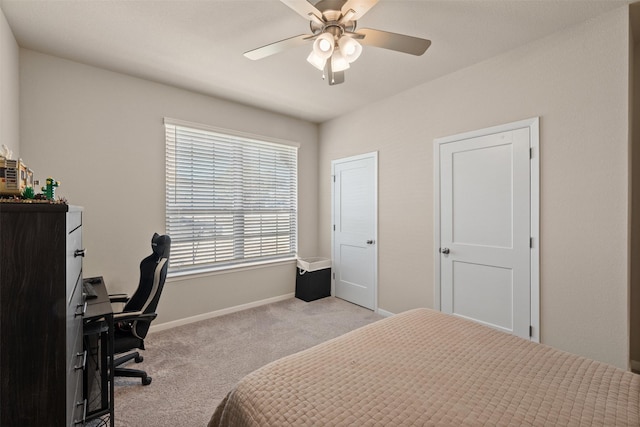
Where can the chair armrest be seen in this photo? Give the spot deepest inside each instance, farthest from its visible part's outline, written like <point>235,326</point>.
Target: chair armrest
<point>118,297</point>
<point>134,315</point>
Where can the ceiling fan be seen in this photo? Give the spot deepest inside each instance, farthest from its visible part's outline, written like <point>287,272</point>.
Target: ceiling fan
<point>336,43</point>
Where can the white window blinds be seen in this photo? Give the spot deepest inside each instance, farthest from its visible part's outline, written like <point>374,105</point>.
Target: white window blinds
<point>230,199</point>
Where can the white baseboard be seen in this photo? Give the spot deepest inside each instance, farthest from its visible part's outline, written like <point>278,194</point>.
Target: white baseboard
<point>385,313</point>
<point>635,365</point>
<point>222,312</point>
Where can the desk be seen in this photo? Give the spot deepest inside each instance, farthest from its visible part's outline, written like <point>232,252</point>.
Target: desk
<point>98,343</point>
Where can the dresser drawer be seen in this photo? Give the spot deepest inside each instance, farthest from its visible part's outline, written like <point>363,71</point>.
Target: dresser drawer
<point>74,344</point>
<point>75,255</point>
<point>75,374</point>
<point>75,310</point>
<point>78,412</point>
<point>74,219</point>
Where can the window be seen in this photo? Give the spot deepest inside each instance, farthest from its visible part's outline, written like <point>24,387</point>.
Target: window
<point>230,199</point>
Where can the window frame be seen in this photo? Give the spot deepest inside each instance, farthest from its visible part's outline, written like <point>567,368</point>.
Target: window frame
<point>238,237</point>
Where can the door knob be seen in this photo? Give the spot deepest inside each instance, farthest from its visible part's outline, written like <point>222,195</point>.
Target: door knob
<point>370,242</point>
<point>444,251</point>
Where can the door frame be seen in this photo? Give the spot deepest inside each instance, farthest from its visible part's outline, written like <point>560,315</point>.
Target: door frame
<point>374,156</point>
<point>533,124</point>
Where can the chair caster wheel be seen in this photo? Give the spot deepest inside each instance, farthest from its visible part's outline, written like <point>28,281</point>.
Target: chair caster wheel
<point>138,359</point>
<point>146,381</point>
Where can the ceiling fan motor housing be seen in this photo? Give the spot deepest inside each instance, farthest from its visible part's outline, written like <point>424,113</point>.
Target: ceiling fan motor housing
<point>331,15</point>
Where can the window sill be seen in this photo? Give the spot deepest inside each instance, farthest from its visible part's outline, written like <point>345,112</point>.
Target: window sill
<point>213,271</point>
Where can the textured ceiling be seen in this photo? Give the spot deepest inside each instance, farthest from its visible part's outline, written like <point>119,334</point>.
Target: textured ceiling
<point>198,45</point>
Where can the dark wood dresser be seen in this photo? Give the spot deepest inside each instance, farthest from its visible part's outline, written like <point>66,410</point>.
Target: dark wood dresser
<point>41,310</point>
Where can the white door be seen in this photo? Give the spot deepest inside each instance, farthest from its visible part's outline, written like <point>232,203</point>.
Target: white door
<point>354,229</point>
<point>485,231</point>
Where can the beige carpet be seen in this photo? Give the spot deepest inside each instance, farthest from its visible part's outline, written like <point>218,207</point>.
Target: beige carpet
<point>194,366</point>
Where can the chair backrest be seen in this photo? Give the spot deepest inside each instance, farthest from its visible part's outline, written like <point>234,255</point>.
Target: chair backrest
<point>153,272</point>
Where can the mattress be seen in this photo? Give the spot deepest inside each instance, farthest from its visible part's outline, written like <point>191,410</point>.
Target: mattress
<point>426,368</point>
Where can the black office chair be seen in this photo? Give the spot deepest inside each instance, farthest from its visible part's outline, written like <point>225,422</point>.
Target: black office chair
<point>132,324</point>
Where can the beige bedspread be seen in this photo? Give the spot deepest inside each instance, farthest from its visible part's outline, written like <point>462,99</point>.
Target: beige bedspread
<point>424,368</point>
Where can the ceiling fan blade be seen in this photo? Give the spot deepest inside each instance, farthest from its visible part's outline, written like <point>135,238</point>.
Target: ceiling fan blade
<point>303,8</point>
<point>360,7</point>
<point>354,35</point>
<point>398,42</point>
<point>277,47</point>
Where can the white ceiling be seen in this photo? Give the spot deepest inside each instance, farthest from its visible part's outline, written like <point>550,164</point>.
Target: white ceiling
<point>198,45</point>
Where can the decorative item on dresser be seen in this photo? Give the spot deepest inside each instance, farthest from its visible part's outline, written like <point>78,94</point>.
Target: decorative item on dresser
<point>42,359</point>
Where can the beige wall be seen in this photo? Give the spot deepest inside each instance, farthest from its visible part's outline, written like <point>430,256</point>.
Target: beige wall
<point>577,82</point>
<point>9,84</point>
<point>101,135</point>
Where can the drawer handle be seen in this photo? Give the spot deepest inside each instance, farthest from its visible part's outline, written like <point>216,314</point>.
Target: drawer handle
<point>84,412</point>
<point>81,313</point>
<point>84,360</point>
<point>79,252</point>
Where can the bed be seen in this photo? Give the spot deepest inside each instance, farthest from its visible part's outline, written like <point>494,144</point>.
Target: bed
<point>426,368</point>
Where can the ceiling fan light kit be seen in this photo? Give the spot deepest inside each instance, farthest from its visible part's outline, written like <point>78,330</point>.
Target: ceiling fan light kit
<point>335,42</point>
<point>316,61</point>
<point>338,61</point>
<point>350,48</point>
<point>324,45</point>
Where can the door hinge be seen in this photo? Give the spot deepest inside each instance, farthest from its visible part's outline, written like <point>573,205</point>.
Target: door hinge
<point>334,227</point>
<point>530,242</point>
<point>334,178</point>
<point>531,153</point>
<point>530,330</point>
<point>334,276</point>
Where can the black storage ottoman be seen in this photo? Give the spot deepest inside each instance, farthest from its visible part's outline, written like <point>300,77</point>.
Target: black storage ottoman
<point>313,278</point>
